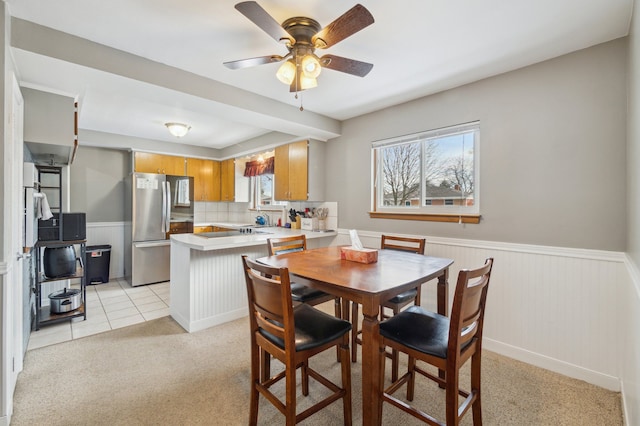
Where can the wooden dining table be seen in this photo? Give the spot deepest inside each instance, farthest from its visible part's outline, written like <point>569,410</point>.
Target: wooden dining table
<point>370,285</point>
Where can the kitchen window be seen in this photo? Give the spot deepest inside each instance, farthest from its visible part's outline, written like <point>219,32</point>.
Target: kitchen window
<point>431,175</point>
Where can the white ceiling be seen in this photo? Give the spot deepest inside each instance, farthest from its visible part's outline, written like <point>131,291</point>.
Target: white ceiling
<point>418,47</point>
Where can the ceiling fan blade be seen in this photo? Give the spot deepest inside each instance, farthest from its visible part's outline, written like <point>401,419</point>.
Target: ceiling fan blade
<point>349,66</point>
<point>352,21</point>
<point>252,62</point>
<point>256,14</point>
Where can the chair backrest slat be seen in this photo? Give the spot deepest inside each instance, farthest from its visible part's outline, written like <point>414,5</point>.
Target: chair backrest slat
<point>467,313</point>
<point>286,244</point>
<point>414,245</point>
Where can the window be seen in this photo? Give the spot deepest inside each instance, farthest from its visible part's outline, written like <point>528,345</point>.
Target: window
<point>262,189</point>
<point>428,173</point>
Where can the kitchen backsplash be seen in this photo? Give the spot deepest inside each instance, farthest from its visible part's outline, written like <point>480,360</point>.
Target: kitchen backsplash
<point>217,212</point>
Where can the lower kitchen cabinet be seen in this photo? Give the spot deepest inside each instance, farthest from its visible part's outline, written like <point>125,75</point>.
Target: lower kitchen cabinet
<point>44,314</point>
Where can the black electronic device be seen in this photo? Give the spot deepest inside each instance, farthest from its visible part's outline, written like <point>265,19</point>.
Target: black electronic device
<point>74,226</point>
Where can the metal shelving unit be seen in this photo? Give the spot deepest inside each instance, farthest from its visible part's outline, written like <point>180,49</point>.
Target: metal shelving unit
<point>43,314</point>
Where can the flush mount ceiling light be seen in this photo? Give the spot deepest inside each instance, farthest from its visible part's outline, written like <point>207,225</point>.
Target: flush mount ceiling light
<point>303,36</point>
<point>178,129</point>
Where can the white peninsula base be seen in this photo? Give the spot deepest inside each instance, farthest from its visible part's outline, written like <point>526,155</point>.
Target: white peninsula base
<point>207,282</point>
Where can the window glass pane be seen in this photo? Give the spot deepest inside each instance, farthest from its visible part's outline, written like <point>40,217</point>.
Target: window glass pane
<point>265,189</point>
<point>433,171</point>
<point>448,170</point>
<point>401,174</point>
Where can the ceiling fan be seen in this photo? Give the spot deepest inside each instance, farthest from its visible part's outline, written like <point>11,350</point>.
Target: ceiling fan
<point>302,36</point>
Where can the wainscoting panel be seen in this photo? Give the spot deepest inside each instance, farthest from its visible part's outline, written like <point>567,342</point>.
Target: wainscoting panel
<point>551,307</point>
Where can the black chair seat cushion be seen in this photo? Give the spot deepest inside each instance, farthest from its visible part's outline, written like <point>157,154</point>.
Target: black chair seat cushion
<point>302,293</point>
<point>313,328</point>
<point>418,329</point>
<point>404,297</point>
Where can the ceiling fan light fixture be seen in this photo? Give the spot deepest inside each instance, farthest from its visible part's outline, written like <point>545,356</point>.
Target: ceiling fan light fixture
<point>310,66</point>
<point>307,82</point>
<point>287,72</point>
<point>178,129</point>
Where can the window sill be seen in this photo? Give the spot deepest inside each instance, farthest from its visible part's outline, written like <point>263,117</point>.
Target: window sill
<point>451,218</point>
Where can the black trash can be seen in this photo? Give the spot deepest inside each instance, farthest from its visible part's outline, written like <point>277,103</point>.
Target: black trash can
<point>98,258</point>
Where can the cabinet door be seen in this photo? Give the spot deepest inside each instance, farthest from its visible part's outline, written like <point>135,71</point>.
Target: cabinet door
<point>195,169</point>
<point>173,165</point>
<point>227,180</point>
<point>291,171</point>
<point>214,182</point>
<point>145,162</point>
<point>298,176</point>
<point>206,179</point>
<point>281,172</point>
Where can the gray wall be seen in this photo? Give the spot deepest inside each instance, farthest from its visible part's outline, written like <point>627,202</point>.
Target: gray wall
<point>96,183</point>
<point>552,153</point>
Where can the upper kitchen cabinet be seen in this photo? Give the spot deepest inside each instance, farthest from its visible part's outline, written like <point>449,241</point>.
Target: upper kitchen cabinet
<point>206,178</point>
<point>299,171</point>
<point>145,162</point>
<point>234,187</point>
<point>50,127</point>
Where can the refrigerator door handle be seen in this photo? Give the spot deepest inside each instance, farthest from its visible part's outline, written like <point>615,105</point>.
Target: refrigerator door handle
<point>164,208</point>
<point>167,208</point>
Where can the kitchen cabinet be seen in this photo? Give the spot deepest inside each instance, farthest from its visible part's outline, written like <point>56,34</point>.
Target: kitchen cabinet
<point>299,170</point>
<point>43,314</point>
<point>291,171</point>
<point>228,180</point>
<point>206,178</point>
<point>145,162</point>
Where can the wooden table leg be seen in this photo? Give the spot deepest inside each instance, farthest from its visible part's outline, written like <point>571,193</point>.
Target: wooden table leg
<point>371,377</point>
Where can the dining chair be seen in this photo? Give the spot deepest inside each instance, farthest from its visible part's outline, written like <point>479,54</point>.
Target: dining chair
<point>390,242</point>
<point>291,334</point>
<point>446,343</point>
<point>301,293</point>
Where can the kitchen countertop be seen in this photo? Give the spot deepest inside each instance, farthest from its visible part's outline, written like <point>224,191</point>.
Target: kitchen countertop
<point>205,244</point>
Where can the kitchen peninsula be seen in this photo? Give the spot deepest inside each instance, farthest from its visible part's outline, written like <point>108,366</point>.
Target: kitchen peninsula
<point>207,282</point>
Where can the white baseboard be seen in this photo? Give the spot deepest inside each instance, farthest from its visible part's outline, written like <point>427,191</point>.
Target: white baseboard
<point>605,381</point>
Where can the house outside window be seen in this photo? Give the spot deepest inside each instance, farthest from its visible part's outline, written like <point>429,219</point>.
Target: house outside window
<point>432,172</point>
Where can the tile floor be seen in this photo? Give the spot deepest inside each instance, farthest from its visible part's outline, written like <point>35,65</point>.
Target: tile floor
<point>109,306</point>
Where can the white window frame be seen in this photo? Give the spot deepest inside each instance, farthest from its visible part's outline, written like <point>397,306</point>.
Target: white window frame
<point>377,196</point>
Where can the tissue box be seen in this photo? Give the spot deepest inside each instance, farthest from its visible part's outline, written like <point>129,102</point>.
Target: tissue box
<point>360,256</point>
<point>307,224</point>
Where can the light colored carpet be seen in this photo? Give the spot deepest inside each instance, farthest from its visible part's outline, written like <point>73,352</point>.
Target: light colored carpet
<point>154,373</point>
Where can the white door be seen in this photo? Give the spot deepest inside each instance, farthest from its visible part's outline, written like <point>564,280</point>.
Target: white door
<point>13,294</point>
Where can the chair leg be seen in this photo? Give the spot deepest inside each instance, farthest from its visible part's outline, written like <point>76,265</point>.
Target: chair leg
<point>290,394</point>
<point>305,378</point>
<point>451,391</point>
<point>255,378</point>
<point>265,369</point>
<point>346,379</point>
<point>354,332</point>
<point>411,384</point>
<point>338,313</point>
<point>475,387</point>
<point>395,355</point>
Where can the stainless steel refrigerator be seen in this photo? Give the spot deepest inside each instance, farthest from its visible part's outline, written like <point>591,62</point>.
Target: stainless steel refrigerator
<point>156,207</point>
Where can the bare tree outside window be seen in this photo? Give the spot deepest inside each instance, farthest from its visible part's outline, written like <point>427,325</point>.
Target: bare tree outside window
<point>401,171</point>
<point>435,169</point>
